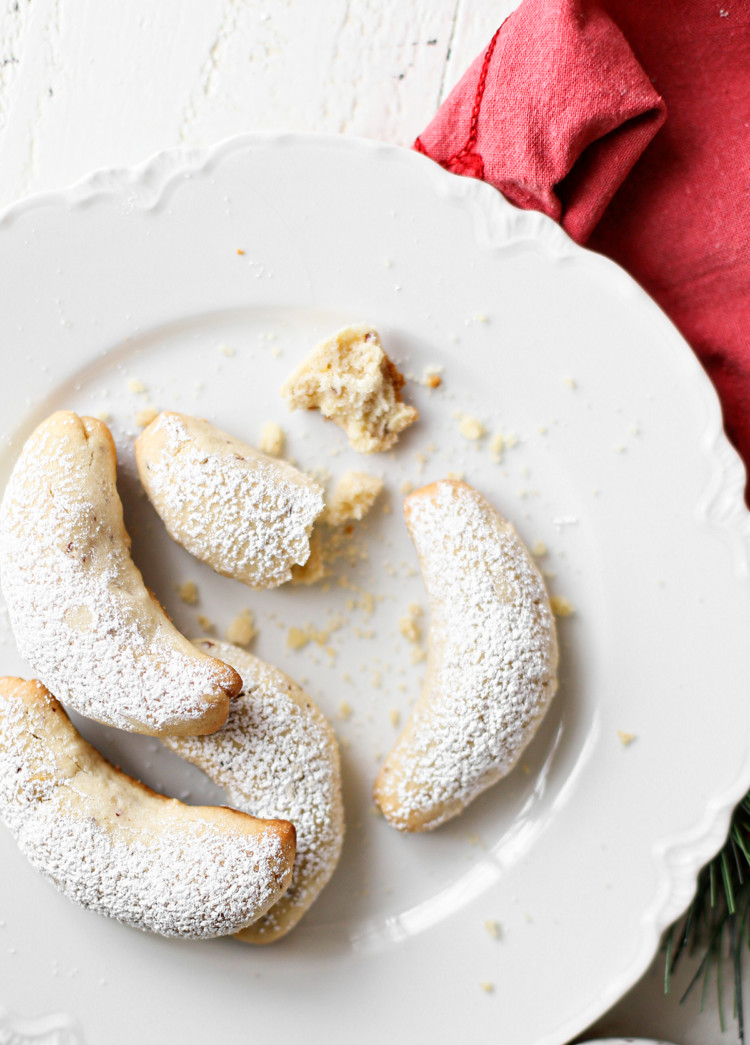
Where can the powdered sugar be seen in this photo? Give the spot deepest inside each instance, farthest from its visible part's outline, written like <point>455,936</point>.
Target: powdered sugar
<point>118,849</point>
<point>247,515</point>
<point>493,658</point>
<point>80,612</point>
<point>276,757</point>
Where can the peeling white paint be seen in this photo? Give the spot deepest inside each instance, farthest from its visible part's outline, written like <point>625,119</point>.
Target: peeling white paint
<point>12,38</point>
<point>98,83</point>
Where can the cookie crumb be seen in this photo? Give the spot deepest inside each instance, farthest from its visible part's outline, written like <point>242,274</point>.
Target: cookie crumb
<point>626,738</point>
<point>342,543</point>
<point>487,987</point>
<point>410,628</point>
<point>242,629</point>
<point>353,497</point>
<point>206,623</point>
<point>560,606</point>
<point>103,415</point>
<point>271,439</point>
<point>226,350</point>
<point>345,710</point>
<point>136,387</point>
<point>432,377</point>
<point>188,592</point>
<point>569,382</point>
<point>539,550</point>
<point>394,717</point>
<point>144,417</point>
<point>297,638</point>
<point>471,428</point>
<point>493,928</point>
<point>497,445</point>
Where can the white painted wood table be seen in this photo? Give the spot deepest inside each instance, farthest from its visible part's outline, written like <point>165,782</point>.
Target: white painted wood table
<point>100,83</point>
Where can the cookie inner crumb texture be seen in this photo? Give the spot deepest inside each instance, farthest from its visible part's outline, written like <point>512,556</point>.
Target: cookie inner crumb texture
<point>351,380</point>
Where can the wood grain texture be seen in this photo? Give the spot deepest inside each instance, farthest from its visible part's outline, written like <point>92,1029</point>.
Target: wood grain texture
<point>95,83</point>
<point>476,22</point>
<point>98,83</point>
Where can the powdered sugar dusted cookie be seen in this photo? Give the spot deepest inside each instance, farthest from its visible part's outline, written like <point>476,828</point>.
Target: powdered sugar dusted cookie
<point>492,660</point>
<point>80,612</point>
<point>247,515</point>
<point>120,849</point>
<point>350,379</point>
<point>277,757</point>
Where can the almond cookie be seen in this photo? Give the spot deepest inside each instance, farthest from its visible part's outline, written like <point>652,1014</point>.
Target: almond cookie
<point>276,757</point>
<point>492,660</point>
<point>80,612</point>
<point>114,846</point>
<point>248,515</point>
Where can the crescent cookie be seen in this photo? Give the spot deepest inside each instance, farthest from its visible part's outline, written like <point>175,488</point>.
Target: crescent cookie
<point>114,846</point>
<point>276,756</point>
<point>492,659</point>
<point>80,612</point>
<point>248,515</point>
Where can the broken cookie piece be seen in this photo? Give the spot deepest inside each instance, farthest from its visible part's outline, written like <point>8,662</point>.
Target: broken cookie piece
<point>248,515</point>
<point>353,497</point>
<point>271,439</point>
<point>351,380</point>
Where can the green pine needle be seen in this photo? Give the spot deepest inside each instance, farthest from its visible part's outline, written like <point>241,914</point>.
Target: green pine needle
<point>717,923</point>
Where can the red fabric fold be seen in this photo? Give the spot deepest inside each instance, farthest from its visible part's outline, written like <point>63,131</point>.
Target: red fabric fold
<point>553,113</point>
<point>564,112</point>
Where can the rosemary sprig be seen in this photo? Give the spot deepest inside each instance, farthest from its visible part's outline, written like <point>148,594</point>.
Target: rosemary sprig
<point>717,923</point>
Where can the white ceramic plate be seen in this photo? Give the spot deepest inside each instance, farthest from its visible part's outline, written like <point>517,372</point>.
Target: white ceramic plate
<point>205,276</point>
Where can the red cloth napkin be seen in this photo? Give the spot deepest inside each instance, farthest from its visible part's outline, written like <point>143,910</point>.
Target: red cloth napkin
<point>566,112</point>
